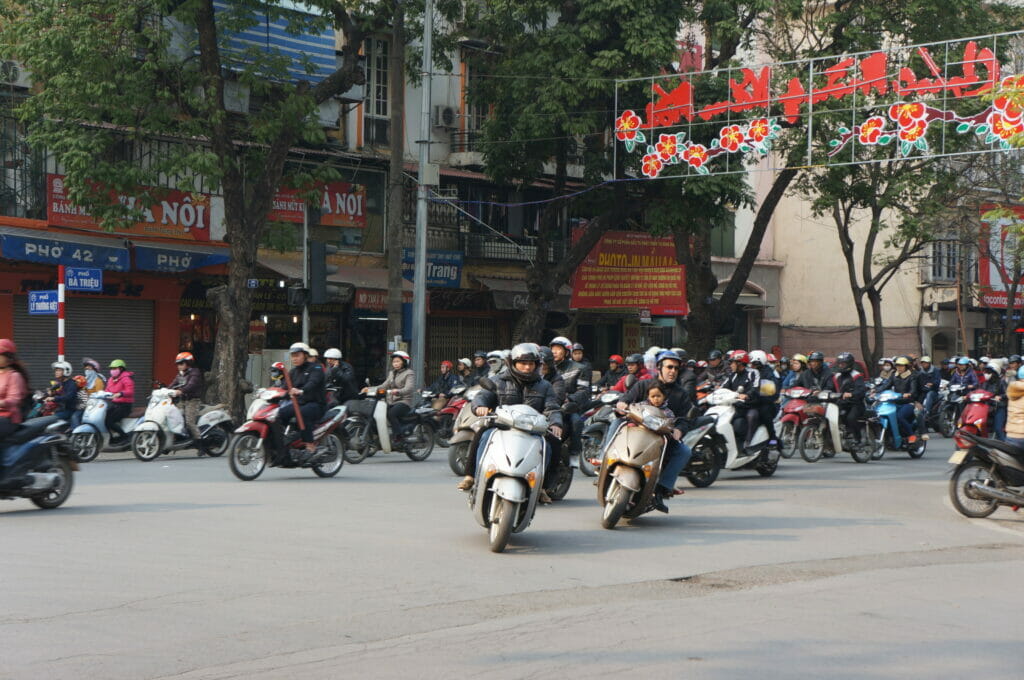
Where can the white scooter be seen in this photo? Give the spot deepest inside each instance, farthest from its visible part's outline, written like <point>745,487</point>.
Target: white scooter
<point>510,474</point>
<point>368,431</point>
<point>827,436</point>
<point>162,428</point>
<point>91,437</point>
<point>722,437</point>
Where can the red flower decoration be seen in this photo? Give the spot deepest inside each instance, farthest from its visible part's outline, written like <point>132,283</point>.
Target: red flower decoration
<point>652,165</point>
<point>730,137</point>
<point>914,131</point>
<point>871,130</point>
<point>667,146</point>
<point>906,113</point>
<point>627,125</point>
<point>1004,104</point>
<point>696,155</point>
<point>759,130</point>
<point>1003,127</point>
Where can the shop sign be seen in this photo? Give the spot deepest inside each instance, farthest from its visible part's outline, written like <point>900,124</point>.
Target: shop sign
<point>444,267</point>
<point>998,250</point>
<point>53,251</point>
<point>342,204</point>
<point>375,300</point>
<point>85,280</point>
<point>174,261</point>
<point>175,214</point>
<point>645,316</point>
<point>42,302</point>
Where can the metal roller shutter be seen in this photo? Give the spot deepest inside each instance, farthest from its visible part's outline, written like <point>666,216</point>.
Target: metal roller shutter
<point>452,338</point>
<point>99,328</point>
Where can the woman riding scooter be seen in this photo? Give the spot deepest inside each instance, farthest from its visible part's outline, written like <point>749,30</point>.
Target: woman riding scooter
<point>122,386</point>
<point>399,386</point>
<point>13,390</point>
<point>189,386</point>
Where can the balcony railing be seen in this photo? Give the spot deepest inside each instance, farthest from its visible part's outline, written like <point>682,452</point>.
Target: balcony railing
<point>484,246</point>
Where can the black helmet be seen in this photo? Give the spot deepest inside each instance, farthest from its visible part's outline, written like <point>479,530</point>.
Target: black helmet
<point>635,359</point>
<point>714,354</point>
<point>817,356</point>
<point>524,351</point>
<point>480,353</point>
<point>844,361</point>
<point>547,356</point>
<point>1014,358</point>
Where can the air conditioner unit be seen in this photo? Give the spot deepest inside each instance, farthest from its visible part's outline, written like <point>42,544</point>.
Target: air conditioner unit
<point>445,117</point>
<point>14,73</point>
<point>329,113</point>
<point>236,96</point>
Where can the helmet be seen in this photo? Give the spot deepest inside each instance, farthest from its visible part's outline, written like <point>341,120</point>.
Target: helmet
<point>902,361</point>
<point>495,354</point>
<point>184,356</point>
<point>1015,358</point>
<point>466,361</point>
<point>448,364</point>
<point>562,341</point>
<point>985,360</point>
<point>480,354</point>
<point>995,368</point>
<point>635,359</point>
<point>332,353</point>
<point>313,353</point>
<point>118,363</point>
<point>740,356</point>
<point>546,356</point>
<point>63,365</point>
<point>80,381</point>
<point>925,359</point>
<point>963,361</point>
<point>815,356</point>
<point>714,354</point>
<point>801,358</point>
<point>298,347</point>
<point>758,356</point>
<point>577,346</point>
<point>974,362</point>
<point>404,356</point>
<point>8,346</point>
<point>771,358</point>
<point>276,369</point>
<point>91,363</point>
<point>524,351</point>
<point>844,360</point>
<point>667,354</point>
<point>702,364</point>
<point>1020,373</point>
<point>680,351</point>
<point>617,358</point>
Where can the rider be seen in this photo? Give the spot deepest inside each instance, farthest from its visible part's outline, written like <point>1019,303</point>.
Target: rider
<point>577,388</point>
<point>550,373</point>
<point>520,384</point>
<point>678,400</point>
<point>993,382</point>
<point>616,370</point>
<point>886,368</point>
<point>929,379</point>
<point>188,386</point>
<point>277,374</point>
<point>577,356</point>
<point>817,376</point>
<point>340,378</point>
<point>717,368</point>
<point>13,392</point>
<point>65,393</point>
<point>400,386</point>
<point>634,367</point>
<point>964,374</point>
<point>768,390</point>
<point>849,382</point>
<point>446,381</point>
<point>480,367</point>
<point>94,380</point>
<point>464,369</point>
<point>495,363</point>
<point>747,382</point>
<point>797,366</point>
<point>307,379</point>
<point>906,383</point>
<point>122,386</point>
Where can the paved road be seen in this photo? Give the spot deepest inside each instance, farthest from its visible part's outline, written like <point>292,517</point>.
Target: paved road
<point>174,569</point>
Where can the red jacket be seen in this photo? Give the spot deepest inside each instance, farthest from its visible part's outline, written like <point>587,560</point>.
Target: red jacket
<point>123,384</point>
<point>642,374</point>
<point>12,392</point>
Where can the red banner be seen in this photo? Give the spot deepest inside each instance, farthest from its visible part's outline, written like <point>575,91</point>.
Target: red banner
<point>374,300</point>
<point>177,215</point>
<point>998,250</point>
<point>631,270</point>
<point>341,205</point>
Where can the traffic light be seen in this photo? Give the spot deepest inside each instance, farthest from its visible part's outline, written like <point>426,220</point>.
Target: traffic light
<point>296,296</point>
<point>319,270</point>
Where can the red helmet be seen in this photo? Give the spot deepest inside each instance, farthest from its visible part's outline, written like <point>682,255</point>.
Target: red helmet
<point>184,356</point>
<point>771,358</point>
<point>702,364</point>
<point>447,363</point>
<point>80,381</point>
<point>7,346</point>
<point>617,358</point>
<point>740,356</point>
<point>278,365</point>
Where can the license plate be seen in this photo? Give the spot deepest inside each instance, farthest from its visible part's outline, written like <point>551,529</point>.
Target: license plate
<point>958,456</point>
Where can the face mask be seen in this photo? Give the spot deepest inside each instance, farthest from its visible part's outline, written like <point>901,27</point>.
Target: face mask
<point>90,373</point>
<point>115,372</point>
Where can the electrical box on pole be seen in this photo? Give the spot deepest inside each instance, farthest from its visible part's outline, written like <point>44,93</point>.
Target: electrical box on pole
<point>319,292</point>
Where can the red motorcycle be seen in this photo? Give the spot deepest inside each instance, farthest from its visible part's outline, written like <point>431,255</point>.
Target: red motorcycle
<point>974,417</point>
<point>795,412</point>
<point>252,446</point>
<point>447,410</point>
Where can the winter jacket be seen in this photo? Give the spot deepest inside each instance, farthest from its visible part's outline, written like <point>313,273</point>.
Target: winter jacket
<point>611,377</point>
<point>853,383</point>
<point>1015,410</point>
<point>12,393</point>
<point>642,374</point>
<point>310,378</point>
<point>903,384</point>
<point>928,381</point>
<point>557,384</point>
<point>403,380</point>
<point>66,394</point>
<point>124,385</point>
<point>444,383</point>
<point>535,392</point>
<point>815,381</point>
<point>748,382</point>
<point>968,378</point>
<point>190,383</point>
<point>343,380</point>
<point>94,382</point>
<point>577,383</point>
<point>677,398</point>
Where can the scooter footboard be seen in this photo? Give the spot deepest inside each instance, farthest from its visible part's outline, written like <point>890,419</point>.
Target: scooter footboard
<point>511,489</point>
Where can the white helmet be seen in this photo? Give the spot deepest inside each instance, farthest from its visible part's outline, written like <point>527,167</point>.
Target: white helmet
<point>299,347</point>
<point>65,366</point>
<point>313,353</point>
<point>561,341</point>
<point>332,353</point>
<point>404,356</point>
<point>759,356</point>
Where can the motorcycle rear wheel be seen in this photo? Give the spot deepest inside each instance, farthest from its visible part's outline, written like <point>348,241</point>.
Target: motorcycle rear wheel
<point>702,479</point>
<point>333,443</point>
<point>422,433</point>
<point>766,466</point>
<point>811,443</point>
<point>947,421</point>
<point>217,440</point>
<point>591,449</point>
<point>247,457</point>
<point>501,529</point>
<point>615,508</point>
<point>862,453</point>
<point>86,446</point>
<point>563,482</point>
<point>147,445</point>
<point>55,497</point>
<point>917,449</point>
<point>358,438</point>
<point>960,496</point>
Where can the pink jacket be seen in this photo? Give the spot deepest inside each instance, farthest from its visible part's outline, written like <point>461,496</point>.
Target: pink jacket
<point>12,392</point>
<point>123,384</point>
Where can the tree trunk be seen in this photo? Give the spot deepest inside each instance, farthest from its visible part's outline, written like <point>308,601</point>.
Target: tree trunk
<point>875,299</point>
<point>396,179</point>
<point>862,330</point>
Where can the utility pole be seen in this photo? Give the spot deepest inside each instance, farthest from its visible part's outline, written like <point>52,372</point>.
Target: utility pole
<point>396,180</point>
<point>419,288</point>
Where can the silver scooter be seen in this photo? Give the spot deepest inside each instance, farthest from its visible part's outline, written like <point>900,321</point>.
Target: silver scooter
<point>92,436</point>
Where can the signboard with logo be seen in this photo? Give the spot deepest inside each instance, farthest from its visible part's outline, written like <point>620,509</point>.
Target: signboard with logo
<point>42,302</point>
<point>375,300</point>
<point>155,259</point>
<point>175,214</point>
<point>998,248</point>
<point>52,251</point>
<point>444,267</point>
<point>85,280</point>
<point>342,204</point>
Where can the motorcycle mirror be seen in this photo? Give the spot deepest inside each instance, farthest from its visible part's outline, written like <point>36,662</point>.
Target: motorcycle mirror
<point>487,384</point>
<point>367,382</point>
<point>630,380</point>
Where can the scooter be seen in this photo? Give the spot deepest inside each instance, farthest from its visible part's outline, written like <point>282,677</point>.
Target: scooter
<point>368,435</point>
<point>826,435</point>
<point>888,435</point>
<point>252,445</point>
<point>949,413</point>
<point>988,473</point>
<point>632,464</point>
<point>44,473</point>
<point>795,413</point>
<point>445,412</point>
<point>92,436</point>
<point>595,430</point>
<point>162,429</point>
<point>462,433</point>
<point>974,419</point>
<point>510,473</point>
<point>721,445</point>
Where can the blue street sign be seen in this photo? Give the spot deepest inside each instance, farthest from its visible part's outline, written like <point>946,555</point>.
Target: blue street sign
<point>54,251</point>
<point>86,280</point>
<point>444,267</point>
<point>152,258</point>
<point>42,302</point>
<point>252,283</point>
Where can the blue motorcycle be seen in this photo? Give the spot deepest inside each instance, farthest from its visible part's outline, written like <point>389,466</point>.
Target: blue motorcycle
<point>888,435</point>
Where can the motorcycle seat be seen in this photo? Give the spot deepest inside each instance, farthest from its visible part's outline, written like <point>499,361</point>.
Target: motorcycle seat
<point>1005,447</point>
<point>30,430</point>
<point>137,412</point>
<point>211,407</point>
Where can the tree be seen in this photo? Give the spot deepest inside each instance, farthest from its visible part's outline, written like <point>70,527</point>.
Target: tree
<point>111,78</point>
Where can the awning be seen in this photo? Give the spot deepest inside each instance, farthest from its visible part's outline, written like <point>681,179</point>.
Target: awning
<point>356,277</point>
<point>512,294</point>
<point>30,245</point>
<point>177,258</point>
<point>748,299</point>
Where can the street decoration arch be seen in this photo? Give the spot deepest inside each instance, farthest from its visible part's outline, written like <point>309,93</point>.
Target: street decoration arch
<point>929,100</point>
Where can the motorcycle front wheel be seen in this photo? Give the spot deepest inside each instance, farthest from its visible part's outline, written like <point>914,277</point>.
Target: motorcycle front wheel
<point>247,457</point>
<point>562,484</point>
<point>146,445</point>
<point>947,421</point>
<point>591,449</point>
<point>86,446</point>
<point>876,440</point>
<point>787,437</point>
<point>615,507</point>
<point>358,436</point>
<point>331,467</point>
<point>423,435</point>
<point>707,476</point>
<point>55,497</point>
<point>965,502</point>
<point>458,455</point>
<point>811,443</point>
<point>501,528</point>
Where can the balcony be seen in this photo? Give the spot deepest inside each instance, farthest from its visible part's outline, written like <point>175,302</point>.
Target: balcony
<point>465,149</point>
<point>483,246</point>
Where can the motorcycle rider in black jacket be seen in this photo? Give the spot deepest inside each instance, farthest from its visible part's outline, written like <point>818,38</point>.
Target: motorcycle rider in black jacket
<point>849,383</point>
<point>577,389</point>
<point>817,376</point>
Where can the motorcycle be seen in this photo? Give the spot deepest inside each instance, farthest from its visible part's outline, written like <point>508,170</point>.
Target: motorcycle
<point>632,464</point>
<point>162,429</point>
<point>826,435</point>
<point>949,412</point>
<point>462,433</point>
<point>91,436</point>
<point>719,446</point>
<point>253,444</point>
<point>510,473</point>
<point>445,412</point>
<point>45,467</point>
<point>888,434</point>
<point>596,424</point>
<point>368,432</point>
<point>933,418</point>
<point>974,418</point>
<point>795,413</point>
<point>988,474</point>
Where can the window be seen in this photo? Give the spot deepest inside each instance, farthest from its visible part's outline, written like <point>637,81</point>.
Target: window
<point>377,106</point>
<point>945,260</point>
<point>723,240</point>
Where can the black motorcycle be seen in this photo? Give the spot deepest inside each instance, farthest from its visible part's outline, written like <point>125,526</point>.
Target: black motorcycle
<point>988,474</point>
<point>44,473</point>
<point>367,430</point>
